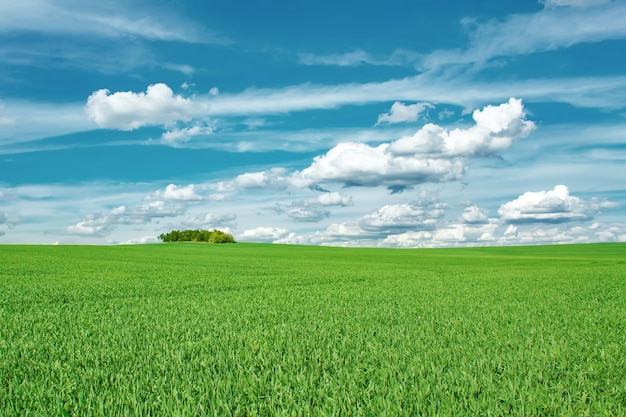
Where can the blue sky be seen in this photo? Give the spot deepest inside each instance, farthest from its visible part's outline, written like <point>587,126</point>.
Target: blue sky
<point>356,123</point>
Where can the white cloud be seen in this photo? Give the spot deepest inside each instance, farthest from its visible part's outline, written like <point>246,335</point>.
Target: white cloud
<point>612,234</point>
<point>7,121</point>
<point>573,3</point>
<point>178,193</point>
<point>358,164</point>
<point>401,112</point>
<point>109,20</point>
<point>553,206</point>
<point>359,57</point>
<point>179,136</point>
<point>102,224</point>
<point>332,199</point>
<point>349,59</point>
<point>31,120</point>
<point>398,218</point>
<point>263,234</point>
<point>141,240</point>
<point>432,154</point>
<point>210,220</point>
<point>93,226</point>
<point>603,92</point>
<point>272,178</point>
<point>549,29</point>
<point>185,69</point>
<point>306,214</point>
<point>7,219</point>
<point>474,215</point>
<point>128,110</point>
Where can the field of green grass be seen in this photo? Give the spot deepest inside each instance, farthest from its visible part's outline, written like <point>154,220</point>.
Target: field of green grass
<point>268,330</point>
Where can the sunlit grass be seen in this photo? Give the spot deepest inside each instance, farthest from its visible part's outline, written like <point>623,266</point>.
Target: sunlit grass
<point>245,329</point>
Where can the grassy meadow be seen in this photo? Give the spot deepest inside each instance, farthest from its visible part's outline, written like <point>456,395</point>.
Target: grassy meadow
<point>267,330</point>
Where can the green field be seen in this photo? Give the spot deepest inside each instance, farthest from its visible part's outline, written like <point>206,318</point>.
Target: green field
<point>268,330</point>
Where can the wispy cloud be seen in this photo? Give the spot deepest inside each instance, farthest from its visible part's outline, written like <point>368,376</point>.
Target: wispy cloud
<point>549,29</point>
<point>27,120</point>
<point>573,3</point>
<point>561,24</point>
<point>601,92</point>
<point>360,57</point>
<point>113,19</point>
<point>400,113</point>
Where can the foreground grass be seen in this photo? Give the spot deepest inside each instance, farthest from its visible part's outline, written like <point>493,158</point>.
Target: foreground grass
<point>244,330</point>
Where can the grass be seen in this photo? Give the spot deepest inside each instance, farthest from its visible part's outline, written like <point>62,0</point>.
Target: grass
<point>249,329</point>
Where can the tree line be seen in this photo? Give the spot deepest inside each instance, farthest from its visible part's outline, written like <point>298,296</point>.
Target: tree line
<point>215,236</point>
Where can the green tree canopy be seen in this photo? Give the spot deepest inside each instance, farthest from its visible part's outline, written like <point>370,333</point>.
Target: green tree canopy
<point>215,236</point>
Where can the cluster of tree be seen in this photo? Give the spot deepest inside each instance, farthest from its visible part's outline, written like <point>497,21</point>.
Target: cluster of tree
<point>215,236</point>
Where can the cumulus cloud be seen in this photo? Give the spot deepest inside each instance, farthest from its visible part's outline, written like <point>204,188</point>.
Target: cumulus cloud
<point>102,224</point>
<point>401,112</point>
<point>398,218</point>
<point>158,106</point>
<point>141,240</point>
<point>474,215</point>
<point>272,178</point>
<point>263,234</point>
<point>432,154</point>
<point>210,220</point>
<point>542,235</point>
<point>332,199</point>
<point>553,206</point>
<point>179,193</point>
<point>306,214</point>
<point>312,209</point>
<point>459,234</point>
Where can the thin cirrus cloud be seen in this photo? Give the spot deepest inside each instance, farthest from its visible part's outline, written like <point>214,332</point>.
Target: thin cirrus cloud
<point>549,29</point>
<point>114,19</point>
<point>359,57</point>
<point>552,28</point>
<point>573,3</point>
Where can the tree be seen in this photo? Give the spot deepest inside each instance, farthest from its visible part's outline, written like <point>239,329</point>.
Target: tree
<point>215,236</point>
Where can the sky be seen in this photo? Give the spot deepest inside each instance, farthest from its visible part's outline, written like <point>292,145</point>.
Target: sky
<point>345,123</point>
